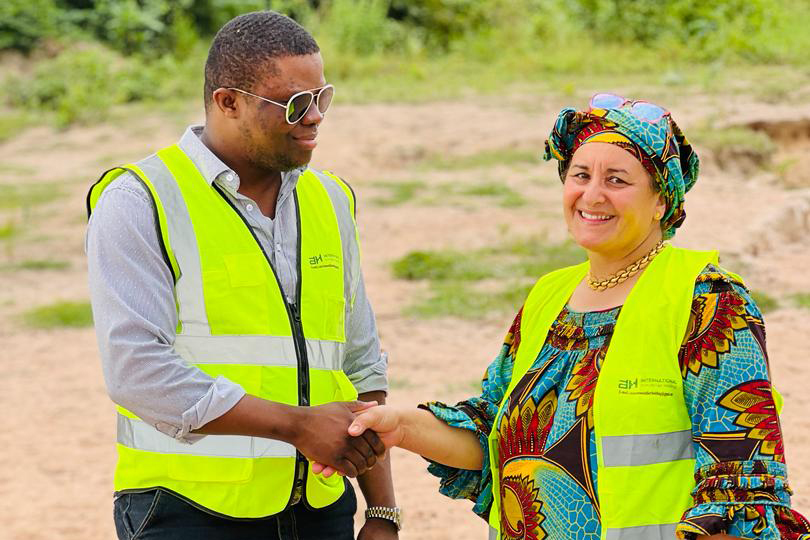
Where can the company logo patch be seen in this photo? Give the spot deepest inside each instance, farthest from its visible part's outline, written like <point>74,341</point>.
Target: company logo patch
<point>324,260</point>
<point>648,386</point>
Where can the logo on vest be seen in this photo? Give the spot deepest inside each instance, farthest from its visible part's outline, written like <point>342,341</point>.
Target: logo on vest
<point>648,386</point>
<point>324,260</point>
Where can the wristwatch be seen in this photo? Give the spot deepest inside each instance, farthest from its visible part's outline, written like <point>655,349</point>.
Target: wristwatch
<point>386,512</point>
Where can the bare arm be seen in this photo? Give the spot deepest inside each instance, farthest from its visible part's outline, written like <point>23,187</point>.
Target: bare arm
<point>418,431</point>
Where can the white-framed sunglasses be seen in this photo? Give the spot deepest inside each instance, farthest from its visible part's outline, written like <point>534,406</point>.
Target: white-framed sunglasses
<point>297,106</point>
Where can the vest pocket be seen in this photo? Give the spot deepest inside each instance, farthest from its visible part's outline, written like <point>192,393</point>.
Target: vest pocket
<point>344,389</point>
<point>334,317</point>
<point>245,269</point>
<point>188,468</point>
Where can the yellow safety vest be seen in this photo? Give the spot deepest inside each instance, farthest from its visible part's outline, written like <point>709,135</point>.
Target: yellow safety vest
<point>643,430</point>
<point>235,322</point>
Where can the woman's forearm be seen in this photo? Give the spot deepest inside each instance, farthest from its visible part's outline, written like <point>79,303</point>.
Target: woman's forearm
<point>428,436</point>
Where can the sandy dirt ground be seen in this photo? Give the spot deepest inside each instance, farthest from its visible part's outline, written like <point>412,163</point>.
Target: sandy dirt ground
<point>57,427</point>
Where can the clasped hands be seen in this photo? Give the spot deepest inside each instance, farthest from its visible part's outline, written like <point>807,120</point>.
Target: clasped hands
<point>333,437</point>
<point>372,430</point>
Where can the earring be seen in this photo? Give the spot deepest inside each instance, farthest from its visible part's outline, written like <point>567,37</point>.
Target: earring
<point>657,216</point>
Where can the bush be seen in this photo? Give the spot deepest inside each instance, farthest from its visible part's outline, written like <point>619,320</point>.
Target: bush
<point>23,23</point>
<point>82,83</point>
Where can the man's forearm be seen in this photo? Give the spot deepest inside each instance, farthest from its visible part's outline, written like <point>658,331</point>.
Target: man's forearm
<point>377,484</point>
<point>256,417</point>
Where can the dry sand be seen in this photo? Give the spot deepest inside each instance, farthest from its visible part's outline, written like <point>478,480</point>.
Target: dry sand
<point>57,429</point>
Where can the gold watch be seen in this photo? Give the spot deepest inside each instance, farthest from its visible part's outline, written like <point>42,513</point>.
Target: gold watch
<point>393,514</point>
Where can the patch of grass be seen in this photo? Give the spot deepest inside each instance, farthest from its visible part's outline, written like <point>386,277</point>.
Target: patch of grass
<point>764,301</point>
<point>456,278</point>
<point>506,196</point>
<point>480,160</point>
<point>36,265</point>
<point>8,236</point>
<point>802,300</point>
<point>736,145</point>
<point>60,315</point>
<point>440,266</point>
<point>12,123</point>
<point>11,169</point>
<point>398,192</point>
<point>28,195</point>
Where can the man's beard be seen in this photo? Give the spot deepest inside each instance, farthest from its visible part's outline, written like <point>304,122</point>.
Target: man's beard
<point>265,159</point>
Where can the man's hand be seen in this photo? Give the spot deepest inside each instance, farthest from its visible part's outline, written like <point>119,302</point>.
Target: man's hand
<point>378,529</point>
<point>383,420</point>
<point>323,437</point>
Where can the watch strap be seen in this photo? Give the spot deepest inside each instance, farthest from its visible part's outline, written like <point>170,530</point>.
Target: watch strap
<point>391,513</point>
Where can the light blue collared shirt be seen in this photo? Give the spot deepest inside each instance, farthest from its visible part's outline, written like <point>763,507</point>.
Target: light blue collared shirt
<point>132,293</point>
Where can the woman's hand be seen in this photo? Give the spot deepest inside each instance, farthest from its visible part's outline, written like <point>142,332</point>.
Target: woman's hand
<point>383,420</point>
<point>417,431</point>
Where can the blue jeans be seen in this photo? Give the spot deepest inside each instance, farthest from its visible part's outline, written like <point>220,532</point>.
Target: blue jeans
<point>159,514</point>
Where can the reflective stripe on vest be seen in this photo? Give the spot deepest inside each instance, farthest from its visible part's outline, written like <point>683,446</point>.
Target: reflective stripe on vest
<point>644,532</point>
<point>645,457</point>
<point>627,450</point>
<point>233,321</point>
<point>136,434</point>
<point>257,350</point>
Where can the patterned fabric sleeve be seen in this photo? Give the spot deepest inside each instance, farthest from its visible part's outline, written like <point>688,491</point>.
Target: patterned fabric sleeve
<point>742,488</point>
<point>477,414</point>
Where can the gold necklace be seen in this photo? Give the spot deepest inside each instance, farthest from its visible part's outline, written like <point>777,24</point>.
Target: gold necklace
<point>623,275</point>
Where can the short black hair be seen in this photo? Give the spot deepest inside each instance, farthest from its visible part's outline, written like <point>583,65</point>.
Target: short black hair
<point>243,49</point>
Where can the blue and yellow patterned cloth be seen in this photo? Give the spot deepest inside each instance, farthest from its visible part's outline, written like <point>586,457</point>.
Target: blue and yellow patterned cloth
<point>548,446</point>
<point>675,161</point>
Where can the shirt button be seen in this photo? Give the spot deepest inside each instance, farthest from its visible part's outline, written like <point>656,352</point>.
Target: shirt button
<point>229,178</point>
<point>278,248</point>
<point>249,208</point>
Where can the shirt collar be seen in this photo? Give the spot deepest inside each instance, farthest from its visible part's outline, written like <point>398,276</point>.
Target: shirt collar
<point>213,168</point>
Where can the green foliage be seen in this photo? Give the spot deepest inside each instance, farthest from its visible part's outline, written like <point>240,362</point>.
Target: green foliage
<point>802,300</point>
<point>60,315</point>
<point>397,50</point>
<point>210,15</point>
<point>764,301</point>
<point>503,194</point>
<point>398,192</point>
<point>443,22</point>
<point>36,265</point>
<point>82,83</point>
<point>358,27</point>
<point>23,196</point>
<point>481,282</point>
<point>484,158</point>
<point>443,266</point>
<point>736,145</point>
<point>24,23</point>
<point>12,123</point>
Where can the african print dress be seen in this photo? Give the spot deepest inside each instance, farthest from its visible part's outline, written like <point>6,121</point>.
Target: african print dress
<point>547,443</point>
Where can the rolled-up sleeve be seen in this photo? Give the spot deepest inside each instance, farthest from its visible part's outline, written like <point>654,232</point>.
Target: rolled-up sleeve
<point>132,295</point>
<point>365,364</point>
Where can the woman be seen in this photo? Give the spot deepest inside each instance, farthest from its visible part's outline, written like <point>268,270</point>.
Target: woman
<point>631,398</point>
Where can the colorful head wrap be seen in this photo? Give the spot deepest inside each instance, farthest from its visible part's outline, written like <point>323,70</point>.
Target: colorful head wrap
<point>660,146</point>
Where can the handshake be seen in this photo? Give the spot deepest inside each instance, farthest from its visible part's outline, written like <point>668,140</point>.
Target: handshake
<point>347,437</point>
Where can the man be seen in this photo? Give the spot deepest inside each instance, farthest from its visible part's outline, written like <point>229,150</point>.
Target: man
<point>231,313</point>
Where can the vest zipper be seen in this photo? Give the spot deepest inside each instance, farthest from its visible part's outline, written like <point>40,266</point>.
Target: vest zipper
<point>301,465</point>
<point>294,316</point>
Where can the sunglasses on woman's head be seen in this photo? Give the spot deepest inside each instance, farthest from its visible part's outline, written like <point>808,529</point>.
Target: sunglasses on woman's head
<point>297,106</point>
<point>643,110</point>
